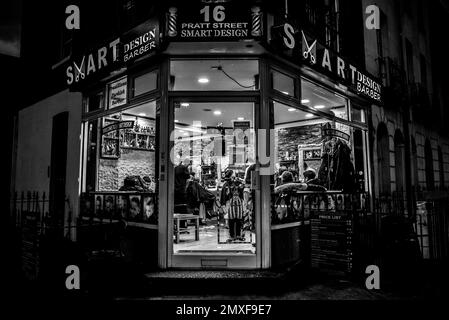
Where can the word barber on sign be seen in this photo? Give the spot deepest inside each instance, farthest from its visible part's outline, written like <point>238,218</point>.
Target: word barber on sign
<point>223,20</point>
<point>301,46</point>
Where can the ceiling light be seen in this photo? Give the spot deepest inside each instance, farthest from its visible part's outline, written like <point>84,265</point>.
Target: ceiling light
<point>309,115</point>
<point>203,80</point>
<point>320,106</point>
<point>285,92</point>
<point>185,104</point>
<point>240,118</point>
<point>291,109</point>
<point>305,101</point>
<point>142,114</point>
<point>176,120</point>
<point>217,112</point>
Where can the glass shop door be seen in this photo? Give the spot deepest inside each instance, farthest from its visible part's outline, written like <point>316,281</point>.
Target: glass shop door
<point>213,212</point>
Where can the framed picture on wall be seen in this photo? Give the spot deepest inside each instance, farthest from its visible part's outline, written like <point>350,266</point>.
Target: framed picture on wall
<point>98,206</point>
<point>148,209</point>
<point>135,208</point>
<point>110,138</point>
<point>109,206</point>
<point>122,206</point>
<point>309,157</point>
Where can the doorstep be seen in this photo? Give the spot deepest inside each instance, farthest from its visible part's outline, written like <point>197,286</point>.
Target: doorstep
<point>174,282</point>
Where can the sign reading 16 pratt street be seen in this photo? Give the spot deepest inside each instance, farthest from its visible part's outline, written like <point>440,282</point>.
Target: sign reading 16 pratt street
<point>214,21</point>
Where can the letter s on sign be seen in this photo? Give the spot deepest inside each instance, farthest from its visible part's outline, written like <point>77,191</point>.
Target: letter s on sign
<point>289,40</point>
<point>69,75</point>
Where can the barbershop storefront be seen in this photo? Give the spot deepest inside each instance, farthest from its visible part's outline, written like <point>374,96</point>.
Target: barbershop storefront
<point>220,140</point>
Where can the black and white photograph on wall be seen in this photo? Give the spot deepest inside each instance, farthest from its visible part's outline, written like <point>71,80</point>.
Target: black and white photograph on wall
<point>220,153</point>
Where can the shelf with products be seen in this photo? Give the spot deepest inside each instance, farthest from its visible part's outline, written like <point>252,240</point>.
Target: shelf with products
<point>139,141</point>
<point>140,137</point>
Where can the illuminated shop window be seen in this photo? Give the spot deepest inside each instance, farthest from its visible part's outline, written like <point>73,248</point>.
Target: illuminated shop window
<point>120,166</point>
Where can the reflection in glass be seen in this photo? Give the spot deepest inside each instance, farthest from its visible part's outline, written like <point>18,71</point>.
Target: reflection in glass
<point>218,75</point>
<point>319,98</point>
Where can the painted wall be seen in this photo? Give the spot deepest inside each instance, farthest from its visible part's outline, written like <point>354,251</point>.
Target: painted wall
<point>34,145</point>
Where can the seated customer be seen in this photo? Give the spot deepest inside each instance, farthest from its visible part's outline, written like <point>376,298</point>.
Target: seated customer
<point>313,184</point>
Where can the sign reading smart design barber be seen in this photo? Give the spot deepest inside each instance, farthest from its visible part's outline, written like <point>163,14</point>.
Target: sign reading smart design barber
<point>100,61</point>
<point>219,21</point>
<point>300,46</point>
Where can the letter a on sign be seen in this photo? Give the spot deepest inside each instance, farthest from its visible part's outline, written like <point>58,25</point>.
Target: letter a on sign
<point>73,20</point>
<point>373,280</point>
<point>73,280</point>
<point>373,20</point>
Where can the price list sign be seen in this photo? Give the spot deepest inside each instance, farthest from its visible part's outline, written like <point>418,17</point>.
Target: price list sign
<point>30,246</point>
<point>332,241</point>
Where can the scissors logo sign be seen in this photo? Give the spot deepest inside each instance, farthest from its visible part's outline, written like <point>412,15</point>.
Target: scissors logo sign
<point>79,71</point>
<point>308,51</point>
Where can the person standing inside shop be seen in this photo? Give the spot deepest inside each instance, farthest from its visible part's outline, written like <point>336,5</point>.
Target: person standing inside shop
<point>182,175</point>
<point>232,198</point>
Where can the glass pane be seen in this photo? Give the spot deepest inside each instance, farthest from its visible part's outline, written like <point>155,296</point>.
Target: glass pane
<point>283,83</point>
<point>311,154</point>
<point>95,101</point>
<point>358,115</point>
<point>145,83</point>
<point>324,100</point>
<point>360,165</point>
<point>121,172</point>
<point>229,75</point>
<point>213,155</point>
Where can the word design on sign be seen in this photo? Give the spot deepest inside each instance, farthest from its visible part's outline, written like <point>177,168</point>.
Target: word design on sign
<point>321,57</point>
<point>144,39</point>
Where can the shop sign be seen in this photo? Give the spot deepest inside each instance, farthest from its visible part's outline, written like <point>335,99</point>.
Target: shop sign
<point>312,154</point>
<point>100,61</point>
<point>331,245</point>
<point>91,63</point>
<point>334,133</point>
<point>118,93</point>
<point>242,125</point>
<point>118,126</point>
<point>220,21</point>
<point>300,46</point>
<point>140,41</point>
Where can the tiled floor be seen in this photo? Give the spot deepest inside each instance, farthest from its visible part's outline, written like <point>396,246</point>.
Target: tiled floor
<point>209,243</point>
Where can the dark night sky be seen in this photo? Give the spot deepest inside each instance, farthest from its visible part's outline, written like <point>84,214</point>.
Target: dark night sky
<point>10,27</point>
